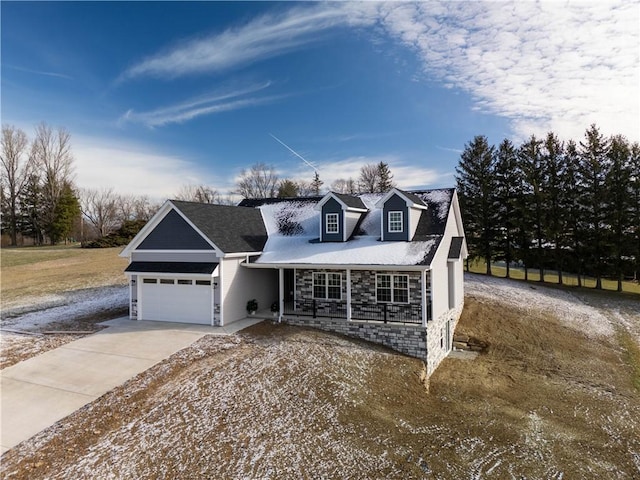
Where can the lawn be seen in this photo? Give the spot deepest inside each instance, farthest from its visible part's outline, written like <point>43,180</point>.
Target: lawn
<point>554,396</point>
<point>32,272</point>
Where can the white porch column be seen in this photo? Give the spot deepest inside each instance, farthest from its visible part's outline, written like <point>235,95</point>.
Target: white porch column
<point>424,298</point>
<point>348,295</point>
<point>280,293</point>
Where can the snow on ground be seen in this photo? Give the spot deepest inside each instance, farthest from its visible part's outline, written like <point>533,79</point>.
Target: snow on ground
<point>34,313</point>
<point>564,305</point>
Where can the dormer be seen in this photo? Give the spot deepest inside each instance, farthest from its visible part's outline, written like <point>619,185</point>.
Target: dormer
<point>339,215</point>
<point>400,215</point>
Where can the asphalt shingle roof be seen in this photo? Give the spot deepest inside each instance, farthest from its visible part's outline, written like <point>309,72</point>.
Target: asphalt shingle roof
<point>231,229</point>
<point>455,248</point>
<point>350,201</point>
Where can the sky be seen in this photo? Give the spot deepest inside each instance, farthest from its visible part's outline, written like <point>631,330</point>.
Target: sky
<point>158,95</point>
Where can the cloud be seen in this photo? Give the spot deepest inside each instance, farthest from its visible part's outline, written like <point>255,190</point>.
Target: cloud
<point>205,105</point>
<point>544,65</point>
<point>39,72</point>
<point>132,168</point>
<point>405,174</point>
<point>265,37</point>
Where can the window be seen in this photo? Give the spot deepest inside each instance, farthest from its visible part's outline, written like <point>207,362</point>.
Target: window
<point>331,221</point>
<point>203,282</point>
<point>184,282</point>
<point>150,280</point>
<point>395,222</point>
<point>166,281</point>
<point>392,288</point>
<point>327,286</point>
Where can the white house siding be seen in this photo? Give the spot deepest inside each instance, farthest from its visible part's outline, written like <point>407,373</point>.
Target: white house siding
<point>241,284</point>
<point>168,256</point>
<point>414,218</point>
<point>350,220</point>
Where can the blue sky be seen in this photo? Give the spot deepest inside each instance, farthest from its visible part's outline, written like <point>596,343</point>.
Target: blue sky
<point>157,95</point>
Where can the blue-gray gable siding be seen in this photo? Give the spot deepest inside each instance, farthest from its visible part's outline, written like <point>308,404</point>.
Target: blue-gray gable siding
<point>174,233</point>
<point>332,206</point>
<point>394,204</point>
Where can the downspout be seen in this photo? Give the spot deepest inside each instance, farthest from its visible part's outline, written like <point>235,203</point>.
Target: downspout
<point>280,293</point>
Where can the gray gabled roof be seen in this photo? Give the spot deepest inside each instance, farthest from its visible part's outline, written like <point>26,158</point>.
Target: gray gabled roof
<point>413,197</point>
<point>231,229</point>
<point>350,201</point>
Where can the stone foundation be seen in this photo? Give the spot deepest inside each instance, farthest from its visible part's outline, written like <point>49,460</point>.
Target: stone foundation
<point>408,339</point>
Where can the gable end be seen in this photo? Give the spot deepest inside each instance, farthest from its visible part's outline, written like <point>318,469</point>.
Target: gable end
<point>174,233</point>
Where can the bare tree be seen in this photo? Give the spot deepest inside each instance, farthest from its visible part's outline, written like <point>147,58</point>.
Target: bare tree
<point>342,185</point>
<point>51,154</point>
<point>260,181</point>
<point>369,177</point>
<point>100,207</point>
<point>16,168</point>
<point>198,193</point>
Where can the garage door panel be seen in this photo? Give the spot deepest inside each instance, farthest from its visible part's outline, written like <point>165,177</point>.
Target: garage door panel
<point>176,303</point>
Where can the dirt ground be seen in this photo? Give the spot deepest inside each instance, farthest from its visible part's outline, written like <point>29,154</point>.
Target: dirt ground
<point>545,401</point>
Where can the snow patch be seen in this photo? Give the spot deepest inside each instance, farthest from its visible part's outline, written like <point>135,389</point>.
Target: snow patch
<point>565,306</point>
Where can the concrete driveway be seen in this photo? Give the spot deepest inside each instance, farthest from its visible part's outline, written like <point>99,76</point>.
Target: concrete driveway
<point>39,391</point>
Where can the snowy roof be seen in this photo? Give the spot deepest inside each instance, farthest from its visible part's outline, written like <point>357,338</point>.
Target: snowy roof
<point>293,230</point>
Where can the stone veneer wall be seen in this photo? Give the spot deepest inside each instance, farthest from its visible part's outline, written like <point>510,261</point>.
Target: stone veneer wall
<point>408,339</point>
<point>434,328</point>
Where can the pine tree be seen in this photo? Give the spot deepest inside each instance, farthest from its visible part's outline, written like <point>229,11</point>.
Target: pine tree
<point>530,160</point>
<point>593,169</point>
<point>508,184</point>
<point>571,206</point>
<point>385,178</point>
<point>287,189</point>
<point>316,183</point>
<point>618,205</point>
<point>475,180</point>
<point>30,210</point>
<point>634,166</point>
<point>553,165</point>
<point>66,212</point>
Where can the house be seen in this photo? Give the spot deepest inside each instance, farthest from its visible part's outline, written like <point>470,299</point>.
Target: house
<point>387,268</point>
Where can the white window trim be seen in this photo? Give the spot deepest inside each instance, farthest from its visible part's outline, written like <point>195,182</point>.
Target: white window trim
<point>326,285</point>
<point>401,221</point>
<point>392,275</point>
<point>337,223</point>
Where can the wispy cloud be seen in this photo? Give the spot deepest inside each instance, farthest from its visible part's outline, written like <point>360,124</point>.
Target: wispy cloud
<point>544,65</point>
<point>133,168</point>
<point>38,72</point>
<point>205,105</point>
<point>265,37</point>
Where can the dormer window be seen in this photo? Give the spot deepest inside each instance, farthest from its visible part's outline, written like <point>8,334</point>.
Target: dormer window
<point>395,221</point>
<point>331,222</point>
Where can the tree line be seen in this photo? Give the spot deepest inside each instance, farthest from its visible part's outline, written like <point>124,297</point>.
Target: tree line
<point>548,204</point>
<point>39,198</point>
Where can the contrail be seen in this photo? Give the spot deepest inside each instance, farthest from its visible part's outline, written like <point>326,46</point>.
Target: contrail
<point>309,164</point>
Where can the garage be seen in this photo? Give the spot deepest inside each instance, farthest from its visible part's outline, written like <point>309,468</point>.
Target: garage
<point>176,300</point>
<point>183,292</point>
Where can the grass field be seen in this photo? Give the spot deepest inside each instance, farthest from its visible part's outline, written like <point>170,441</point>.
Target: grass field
<point>36,271</point>
<point>552,397</point>
<point>568,279</point>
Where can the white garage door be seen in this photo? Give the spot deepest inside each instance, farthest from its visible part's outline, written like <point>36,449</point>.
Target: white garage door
<point>171,300</point>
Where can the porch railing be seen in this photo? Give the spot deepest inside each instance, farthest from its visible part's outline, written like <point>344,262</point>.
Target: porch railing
<point>379,312</point>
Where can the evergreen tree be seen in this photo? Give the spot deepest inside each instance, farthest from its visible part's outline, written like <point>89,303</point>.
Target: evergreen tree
<point>530,160</point>
<point>571,206</point>
<point>553,165</point>
<point>30,210</point>
<point>634,180</point>
<point>508,180</point>
<point>287,189</point>
<point>618,205</point>
<point>476,186</point>
<point>385,178</point>
<point>66,212</point>
<point>316,183</point>
<point>593,169</point>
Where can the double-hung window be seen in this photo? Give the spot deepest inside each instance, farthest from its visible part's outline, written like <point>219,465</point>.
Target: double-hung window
<point>327,286</point>
<point>392,288</point>
<point>331,222</point>
<point>395,222</point>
